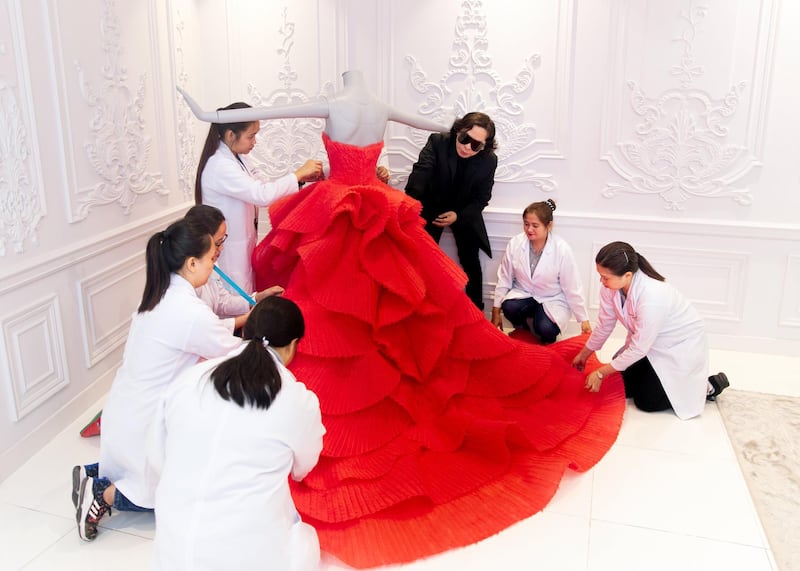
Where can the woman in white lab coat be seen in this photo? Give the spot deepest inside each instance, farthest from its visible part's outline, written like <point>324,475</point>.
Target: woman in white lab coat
<point>664,361</point>
<point>538,284</point>
<point>228,434</point>
<point>225,180</point>
<point>171,330</point>
<point>221,301</point>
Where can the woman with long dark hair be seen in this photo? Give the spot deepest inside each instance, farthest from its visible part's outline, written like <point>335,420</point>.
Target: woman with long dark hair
<point>226,180</point>
<point>227,436</point>
<point>664,361</point>
<point>225,304</point>
<point>171,330</point>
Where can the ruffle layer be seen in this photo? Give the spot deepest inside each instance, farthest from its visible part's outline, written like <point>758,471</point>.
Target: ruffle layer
<point>441,430</point>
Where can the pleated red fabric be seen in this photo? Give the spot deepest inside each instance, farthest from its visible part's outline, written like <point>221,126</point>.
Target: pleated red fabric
<point>441,430</point>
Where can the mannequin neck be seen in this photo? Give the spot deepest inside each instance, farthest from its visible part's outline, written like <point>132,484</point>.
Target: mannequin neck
<point>353,79</point>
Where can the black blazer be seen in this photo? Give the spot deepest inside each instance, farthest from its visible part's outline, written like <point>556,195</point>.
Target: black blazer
<point>431,182</point>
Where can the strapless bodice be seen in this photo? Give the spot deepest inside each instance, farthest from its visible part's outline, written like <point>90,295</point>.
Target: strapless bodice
<point>351,164</point>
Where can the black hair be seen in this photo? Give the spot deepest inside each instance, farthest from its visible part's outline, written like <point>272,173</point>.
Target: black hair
<point>166,253</point>
<point>209,218</point>
<point>473,119</point>
<point>542,210</point>
<point>251,376</point>
<point>216,133</point>
<point>620,258</point>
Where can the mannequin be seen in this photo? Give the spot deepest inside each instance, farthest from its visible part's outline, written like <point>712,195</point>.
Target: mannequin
<point>354,115</point>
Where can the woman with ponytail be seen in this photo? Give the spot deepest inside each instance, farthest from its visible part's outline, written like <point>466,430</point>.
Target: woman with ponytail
<point>225,180</point>
<point>227,436</point>
<point>538,283</point>
<point>664,361</point>
<point>171,330</point>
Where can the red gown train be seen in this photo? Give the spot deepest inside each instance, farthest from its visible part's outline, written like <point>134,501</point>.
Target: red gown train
<point>441,430</point>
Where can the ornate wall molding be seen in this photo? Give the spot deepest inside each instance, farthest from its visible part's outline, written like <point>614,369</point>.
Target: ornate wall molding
<point>32,347</point>
<point>22,200</point>
<point>73,254</point>
<point>678,144</point>
<point>104,329</point>
<point>187,161</point>
<point>118,148</point>
<point>287,142</point>
<point>464,88</point>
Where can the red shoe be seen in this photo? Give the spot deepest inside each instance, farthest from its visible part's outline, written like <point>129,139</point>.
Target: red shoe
<point>93,428</point>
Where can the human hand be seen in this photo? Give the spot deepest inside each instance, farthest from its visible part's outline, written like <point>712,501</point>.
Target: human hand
<point>309,172</point>
<point>274,290</point>
<point>497,318</point>
<point>445,219</point>
<point>593,381</point>
<point>586,327</point>
<point>579,362</point>
<point>383,174</point>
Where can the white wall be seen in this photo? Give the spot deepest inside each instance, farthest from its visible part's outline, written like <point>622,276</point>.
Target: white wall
<point>670,125</point>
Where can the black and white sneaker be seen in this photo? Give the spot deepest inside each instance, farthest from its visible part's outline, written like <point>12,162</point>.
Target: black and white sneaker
<point>719,383</point>
<point>90,510</point>
<point>78,474</point>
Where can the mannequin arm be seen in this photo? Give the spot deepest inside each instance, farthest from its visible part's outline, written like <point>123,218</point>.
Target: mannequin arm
<point>416,121</point>
<point>310,109</point>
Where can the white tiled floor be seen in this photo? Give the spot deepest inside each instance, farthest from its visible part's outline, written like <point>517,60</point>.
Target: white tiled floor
<point>668,496</point>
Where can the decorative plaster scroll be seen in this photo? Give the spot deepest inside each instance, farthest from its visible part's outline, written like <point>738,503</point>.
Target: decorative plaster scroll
<point>187,164</point>
<point>681,145</point>
<point>118,148</point>
<point>21,206</point>
<point>461,90</point>
<point>291,141</point>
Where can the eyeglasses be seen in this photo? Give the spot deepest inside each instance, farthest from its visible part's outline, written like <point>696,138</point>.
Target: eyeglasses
<point>221,241</point>
<point>465,139</point>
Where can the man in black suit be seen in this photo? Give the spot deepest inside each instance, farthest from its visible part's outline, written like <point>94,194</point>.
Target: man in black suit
<point>453,180</point>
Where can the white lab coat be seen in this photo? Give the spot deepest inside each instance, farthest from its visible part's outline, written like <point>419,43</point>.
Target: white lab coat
<point>223,499</point>
<point>664,327</point>
<point>227,184</point>
<point>555,282</point>
<point>220,300</point>
<point>161,343</point>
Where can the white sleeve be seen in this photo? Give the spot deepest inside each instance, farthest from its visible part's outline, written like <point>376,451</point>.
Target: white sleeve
<point>606,320</point>
<point>225,177</point>
<point>505,275</point>
<point>208,335</point>
<point>227,304</point>
<point>306,439</point>
<point>650,319</point>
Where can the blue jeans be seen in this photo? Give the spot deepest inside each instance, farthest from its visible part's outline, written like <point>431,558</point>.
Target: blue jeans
<point>121,503</point>
<point>517,311</point>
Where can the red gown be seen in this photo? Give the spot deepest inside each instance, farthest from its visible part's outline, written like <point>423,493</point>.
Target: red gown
<point>441,430</point>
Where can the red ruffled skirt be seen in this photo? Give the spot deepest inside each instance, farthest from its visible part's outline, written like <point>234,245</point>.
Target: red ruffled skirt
<point>441,430</point>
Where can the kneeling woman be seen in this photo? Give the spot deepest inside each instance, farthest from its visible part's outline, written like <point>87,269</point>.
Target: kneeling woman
<point>172,330</point>
<point>664,361</point>
<point>538,284</point>
<point>226,437</point>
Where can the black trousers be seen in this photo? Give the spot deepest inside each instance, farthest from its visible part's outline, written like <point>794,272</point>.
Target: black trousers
<point>644,387</point>
<point>468,256</point>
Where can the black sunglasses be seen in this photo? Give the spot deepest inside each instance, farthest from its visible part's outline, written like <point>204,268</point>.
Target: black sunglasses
<point>465,139</point>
